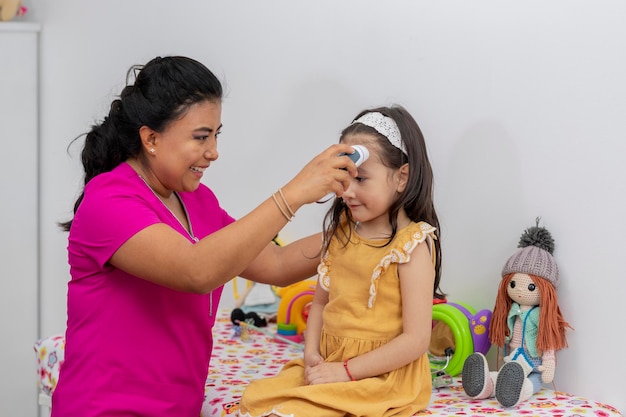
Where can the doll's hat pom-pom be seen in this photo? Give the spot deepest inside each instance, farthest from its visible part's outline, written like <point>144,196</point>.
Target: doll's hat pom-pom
<point>537,236</point>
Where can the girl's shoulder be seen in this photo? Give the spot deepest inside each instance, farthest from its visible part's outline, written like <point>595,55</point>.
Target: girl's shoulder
<point>417,232</point>
<point>409,237</point>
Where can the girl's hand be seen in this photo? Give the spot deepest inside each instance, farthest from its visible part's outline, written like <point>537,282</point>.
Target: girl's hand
<point>312,359</point>
<point>324,373</point>
<point>324,174</point>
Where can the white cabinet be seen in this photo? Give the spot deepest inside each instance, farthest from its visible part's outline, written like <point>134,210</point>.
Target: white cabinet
<point>19,218</point>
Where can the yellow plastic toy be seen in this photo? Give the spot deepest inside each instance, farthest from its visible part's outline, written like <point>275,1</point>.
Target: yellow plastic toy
<point>294,302</point>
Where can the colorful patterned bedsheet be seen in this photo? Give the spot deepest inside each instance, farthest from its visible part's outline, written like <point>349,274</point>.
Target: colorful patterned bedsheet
<point>238,359</point>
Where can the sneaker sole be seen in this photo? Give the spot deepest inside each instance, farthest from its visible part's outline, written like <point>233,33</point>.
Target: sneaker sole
<point>509,384</point>
<point>473,376</point>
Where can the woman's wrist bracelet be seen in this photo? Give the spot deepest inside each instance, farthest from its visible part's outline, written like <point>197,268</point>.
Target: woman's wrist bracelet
<point>345,366</point>
<point>293,213</point>
<point>282,210</point>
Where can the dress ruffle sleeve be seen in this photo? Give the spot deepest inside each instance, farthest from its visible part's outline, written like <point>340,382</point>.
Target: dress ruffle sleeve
<point>323,277</point>
<point>400,253</point>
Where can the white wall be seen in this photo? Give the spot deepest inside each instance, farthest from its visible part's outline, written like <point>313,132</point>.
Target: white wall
<point>19,314</point>
<point>522,105</point>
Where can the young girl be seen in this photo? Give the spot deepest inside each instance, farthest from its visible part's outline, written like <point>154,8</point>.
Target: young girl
<point>369,326</point>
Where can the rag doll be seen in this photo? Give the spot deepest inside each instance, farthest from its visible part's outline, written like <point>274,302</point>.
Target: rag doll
<point>526,322</point>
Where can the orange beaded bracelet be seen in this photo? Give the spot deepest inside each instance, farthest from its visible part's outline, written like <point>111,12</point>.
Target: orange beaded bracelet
<point>345,366</point>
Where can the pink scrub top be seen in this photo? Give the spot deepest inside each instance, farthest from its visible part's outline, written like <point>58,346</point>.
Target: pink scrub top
<point>133,347</point>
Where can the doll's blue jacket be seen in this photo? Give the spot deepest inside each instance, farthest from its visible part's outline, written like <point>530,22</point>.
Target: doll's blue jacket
<point>530,320</point>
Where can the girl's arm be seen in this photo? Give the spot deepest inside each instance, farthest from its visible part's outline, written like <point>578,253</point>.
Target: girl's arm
<point>417,278</point>
<point>312,355</point>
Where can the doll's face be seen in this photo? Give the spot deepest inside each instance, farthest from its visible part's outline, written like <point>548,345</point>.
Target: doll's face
<point>523,291</point>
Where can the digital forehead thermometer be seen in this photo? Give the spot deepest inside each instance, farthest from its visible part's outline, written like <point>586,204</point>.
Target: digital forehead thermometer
<point>359,156</point>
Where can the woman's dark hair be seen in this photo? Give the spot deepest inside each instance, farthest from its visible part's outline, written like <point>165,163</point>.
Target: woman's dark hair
<point>162,91</point>
<point>417,198</point>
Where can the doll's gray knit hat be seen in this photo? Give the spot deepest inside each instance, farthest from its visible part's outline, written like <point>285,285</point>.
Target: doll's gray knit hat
<point>535,255</point>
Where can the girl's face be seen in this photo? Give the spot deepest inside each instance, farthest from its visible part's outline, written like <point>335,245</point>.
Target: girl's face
<point>186,148</point>
<point>523,291</point>
<point>377,187</point>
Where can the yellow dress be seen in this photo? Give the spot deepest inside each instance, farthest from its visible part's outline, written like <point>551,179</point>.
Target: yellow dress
<point>364,311</point>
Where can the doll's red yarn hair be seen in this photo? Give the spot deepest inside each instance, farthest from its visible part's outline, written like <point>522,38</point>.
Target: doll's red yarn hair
<point>551,323</point>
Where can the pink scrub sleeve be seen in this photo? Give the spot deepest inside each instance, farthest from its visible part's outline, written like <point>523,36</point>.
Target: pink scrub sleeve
<point>107,219</point>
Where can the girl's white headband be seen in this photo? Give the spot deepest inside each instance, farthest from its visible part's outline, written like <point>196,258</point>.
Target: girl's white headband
<point>384,125</point>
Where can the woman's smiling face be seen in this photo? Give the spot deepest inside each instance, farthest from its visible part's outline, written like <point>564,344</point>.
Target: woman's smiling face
<point>186,148</point>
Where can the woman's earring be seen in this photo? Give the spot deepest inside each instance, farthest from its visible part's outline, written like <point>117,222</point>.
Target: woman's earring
<point>152,151</point>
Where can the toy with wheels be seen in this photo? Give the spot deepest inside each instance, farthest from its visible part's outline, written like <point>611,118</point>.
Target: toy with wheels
<point>458,331</point>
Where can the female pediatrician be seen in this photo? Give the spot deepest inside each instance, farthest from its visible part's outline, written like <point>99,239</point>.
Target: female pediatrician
<point>150,247</point>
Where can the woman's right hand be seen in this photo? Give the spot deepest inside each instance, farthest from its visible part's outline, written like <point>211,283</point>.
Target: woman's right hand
<point>326,173</point>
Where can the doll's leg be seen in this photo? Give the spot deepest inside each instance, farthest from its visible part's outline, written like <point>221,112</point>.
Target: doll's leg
<point>535,378</point>
<point>478,382</point>
<point>512,386</point>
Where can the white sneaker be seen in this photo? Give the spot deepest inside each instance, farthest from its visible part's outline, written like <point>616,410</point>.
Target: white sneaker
<point>476,380</point>
<point>512,386</point>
